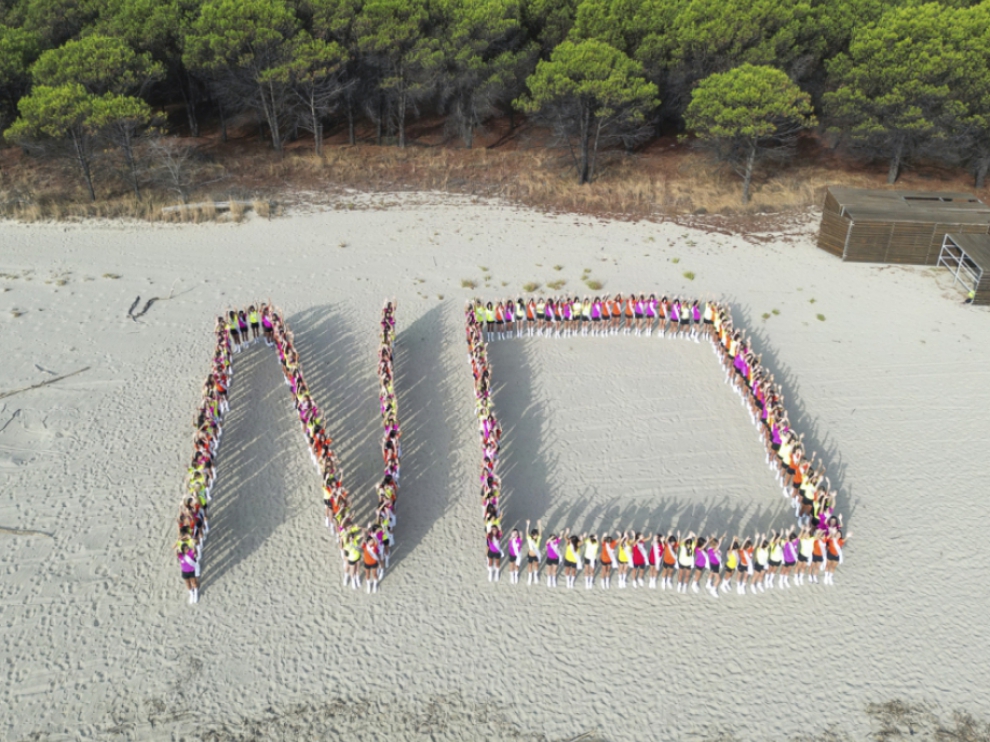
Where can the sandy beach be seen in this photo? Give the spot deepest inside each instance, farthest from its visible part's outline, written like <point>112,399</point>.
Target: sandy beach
<point>890,386</point>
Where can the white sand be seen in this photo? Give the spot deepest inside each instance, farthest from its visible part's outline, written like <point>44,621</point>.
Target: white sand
<point>97,638</point>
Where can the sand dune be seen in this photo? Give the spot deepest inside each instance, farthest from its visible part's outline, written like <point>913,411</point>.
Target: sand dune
<point>98,641</point>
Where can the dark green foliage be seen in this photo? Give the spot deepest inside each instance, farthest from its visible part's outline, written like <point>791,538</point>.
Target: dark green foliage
<point>590,93</point>
<point>895,80</point>
<point>747,113</point>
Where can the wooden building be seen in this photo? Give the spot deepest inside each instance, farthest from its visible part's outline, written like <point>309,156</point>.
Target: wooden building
<point>967,256</point>
<point>881,226</point>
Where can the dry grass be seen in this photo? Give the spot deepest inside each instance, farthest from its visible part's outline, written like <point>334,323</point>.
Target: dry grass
<point>594,285</point>
<point>530,287</point>
<point>556,285</point>
<point>467,283</point>
<point>666,180</point>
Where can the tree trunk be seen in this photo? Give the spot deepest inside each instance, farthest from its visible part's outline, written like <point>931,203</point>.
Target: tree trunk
<point>378,121</point>
<point>585,134</point>
<point>127,144</point>
<point>189,98</point>
<point>272,116</point>
<point>223,121</point>
<point>351,138</point>
<point>895,164</point>
<point>594,150</point>
<point>83,158</point>
<point>982,165</point>
<point>748,172</point>
<point>402,120</point>
<point>467,128</point>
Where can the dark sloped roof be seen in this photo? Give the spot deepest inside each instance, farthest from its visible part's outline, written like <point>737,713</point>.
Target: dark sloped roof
<point>869,205</point>
<point>976,246</point>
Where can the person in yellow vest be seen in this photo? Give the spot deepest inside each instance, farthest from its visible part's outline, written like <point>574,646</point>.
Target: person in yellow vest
<point>254,319</point>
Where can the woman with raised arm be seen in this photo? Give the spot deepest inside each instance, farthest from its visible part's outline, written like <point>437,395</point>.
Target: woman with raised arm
<point>640,553</point>
<point>591,549</point>
<point>700,561</point>
<point>572,557</point>
<point>731,564</point>
<point>372,562</point>
<point>609,559</point>
<point>615,313</point>
<point>761,562</point>
<point>625,558</point>
<point>806,550</point>
<point>776,561</point>
<point>655,558</point>
<point>515,555</point>
<point>790,549</point>
<point>553,558</point>
<point>714,551</point>
<point>669,562</point>
<point>834,541</point>
<point>533,553</point>
<point>685,562</point>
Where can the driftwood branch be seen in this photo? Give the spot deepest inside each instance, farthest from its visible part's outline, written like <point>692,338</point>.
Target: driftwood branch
<point>25,532</point>
<point>43,383</point>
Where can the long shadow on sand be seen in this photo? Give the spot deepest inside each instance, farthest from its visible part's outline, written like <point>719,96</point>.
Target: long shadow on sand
<point>806,424</point>
<point>249,500</point>
<point>429,420</point>
<point>339,362</point>
<point>528,469</point>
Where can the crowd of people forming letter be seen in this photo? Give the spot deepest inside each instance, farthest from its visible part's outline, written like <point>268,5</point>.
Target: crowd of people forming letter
<point>811,549</point>
<point>370,548</point>
<point>235,332</point>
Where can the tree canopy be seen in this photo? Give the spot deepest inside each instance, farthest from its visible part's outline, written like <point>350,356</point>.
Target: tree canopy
<point>747,112</point>
<point>591,92</point>
<point>897,81</point>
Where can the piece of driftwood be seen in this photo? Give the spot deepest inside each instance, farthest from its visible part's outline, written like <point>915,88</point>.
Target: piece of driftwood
<point>43,383</point>
<point>25,532</point>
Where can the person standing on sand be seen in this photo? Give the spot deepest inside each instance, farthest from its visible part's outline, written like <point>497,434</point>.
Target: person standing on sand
<point>714,552</point>
<point>669,562</point>
<point>591,549</point>
<point>639,556</point>
<point>572,556</point>
<point>833,553</point>
<point>700,562</point>
<point>533,553</point>
<point>553,559</point>
<point>371,562</point>
<point>515,555</point>
<point>188,565</point>
<point>685,562</point>
<point>609,560</point>
<point>493,539</point>
<point>731,564</point>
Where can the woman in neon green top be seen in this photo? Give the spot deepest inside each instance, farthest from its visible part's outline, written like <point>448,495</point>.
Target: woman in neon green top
<point>254,319</point>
